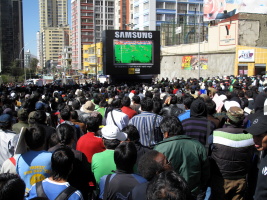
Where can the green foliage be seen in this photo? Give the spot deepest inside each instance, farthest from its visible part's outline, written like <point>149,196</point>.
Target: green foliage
<point>33,63</point>
<point>7,78</point>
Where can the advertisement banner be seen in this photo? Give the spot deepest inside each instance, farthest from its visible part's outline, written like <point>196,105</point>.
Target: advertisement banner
<point>246,55</point>
<point>191,62</point>
<point>227,34</point>
<point>222,9</point>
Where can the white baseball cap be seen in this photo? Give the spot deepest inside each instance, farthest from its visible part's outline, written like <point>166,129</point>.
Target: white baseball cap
<point>112,132</point>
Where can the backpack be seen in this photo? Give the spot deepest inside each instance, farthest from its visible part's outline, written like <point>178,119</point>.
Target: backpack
<point>64,195</point>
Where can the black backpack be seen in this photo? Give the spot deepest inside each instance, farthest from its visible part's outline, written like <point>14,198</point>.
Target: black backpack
<point>64,195</point>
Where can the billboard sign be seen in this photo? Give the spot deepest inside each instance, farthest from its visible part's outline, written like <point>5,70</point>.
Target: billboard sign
<point>191,62</point>
<point>131,52</point>
<point>246,55</point>
<point>222,9</point>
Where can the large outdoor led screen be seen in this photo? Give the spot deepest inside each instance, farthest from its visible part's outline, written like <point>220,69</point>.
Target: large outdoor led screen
<point>133,52</point>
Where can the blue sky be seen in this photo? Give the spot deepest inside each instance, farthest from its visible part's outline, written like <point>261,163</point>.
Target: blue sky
<point>31,24</point>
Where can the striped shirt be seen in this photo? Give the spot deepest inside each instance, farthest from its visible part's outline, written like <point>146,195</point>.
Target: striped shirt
<point>197,128</point>
<point>144,123</point>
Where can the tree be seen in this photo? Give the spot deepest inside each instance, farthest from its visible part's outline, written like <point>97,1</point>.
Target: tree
<point>33,64</point>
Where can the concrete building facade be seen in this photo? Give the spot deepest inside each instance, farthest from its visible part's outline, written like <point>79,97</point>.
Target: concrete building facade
<point>89,19</point>
<point>93,58</point>
<point>11,32</point>
<point>54,30</point>
<point>236,45</point>
<point>149,15</point>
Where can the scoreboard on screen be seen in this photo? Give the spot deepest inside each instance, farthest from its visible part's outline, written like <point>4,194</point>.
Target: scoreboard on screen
<point>131,52</point>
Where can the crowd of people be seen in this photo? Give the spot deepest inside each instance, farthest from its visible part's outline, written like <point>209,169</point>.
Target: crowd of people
<point>179,139</point>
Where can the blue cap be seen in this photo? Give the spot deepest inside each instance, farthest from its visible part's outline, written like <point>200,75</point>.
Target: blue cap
<point>39,106</point>
<point>5,119</point>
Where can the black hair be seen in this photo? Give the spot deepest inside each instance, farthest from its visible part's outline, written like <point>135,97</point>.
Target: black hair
<point>171,125</point>
<point>211,107</point>
<point>157,106</point>
<point>35,137</point>
<point>83,100</point>
<point>103,103</point>
<point>40,116</point>
<point>65,114</point>
<point>149,94</point>
<point>65,134</point>
<point>125,156</point>
<point>62,163</point>
<point>74,114</point>
<point>111,144</point>
<point>53,140</point>
<point>173,99</point>
<point>249,94</point>
<point>168,185</point>
<point>126,101</point>
<point>148,167</point>
<point>76,104</point>
<point>132,133</point>
<point>92,123</point>
<point>147,104</point>
<point>12,187</point>
<point>96,100</point>
<point>188,100</point>
<point>136,99</point>
<point>116,103</point>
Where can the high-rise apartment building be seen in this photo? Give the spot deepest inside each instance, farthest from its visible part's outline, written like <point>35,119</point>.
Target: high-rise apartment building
<point>89,19</point>
<point>149,15</point>
<point>124,15</point>
<point>11,32</point>
<point>54,30</point>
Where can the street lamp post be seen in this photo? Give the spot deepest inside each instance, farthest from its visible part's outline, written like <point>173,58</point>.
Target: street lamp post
<point>20,60</point>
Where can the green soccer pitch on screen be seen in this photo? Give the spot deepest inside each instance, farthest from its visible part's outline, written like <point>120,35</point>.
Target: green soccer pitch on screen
<point>133,52</point>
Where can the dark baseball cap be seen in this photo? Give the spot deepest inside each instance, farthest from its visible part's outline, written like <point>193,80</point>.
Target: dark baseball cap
<point>258,127</point>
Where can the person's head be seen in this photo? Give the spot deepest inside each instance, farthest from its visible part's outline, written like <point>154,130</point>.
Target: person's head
<point>132,133</point>
<point>76,104</point>
<point>112,136</point>
<point>149,94</point>
<point>35,137</point>
<point>171,126</point>
<point>126,101</point>
<point>211,107</point>
<point>88,107</point>
<point>173,99</point>
<point>92,124</point>
<point>188,100</point>
<point>258,129</point>
<point>235,116</point>
<point>136,99</point>
<point>152,163</point>
<point>65,134</point>
<point>167,185</point>
<point>198,108</point>
<point>249,94</point>
<point>39,106</point>
<point>40,116</point>
<point>74,115</point>
<point>12,187</point>
<point>5,121</point>
<point>22,114</point>
<point>147,104</point>
<point>125,156</point>
<point>157,106</point>
<point>116,103</point>
<point>65,114</point>
<point>62,163</point>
